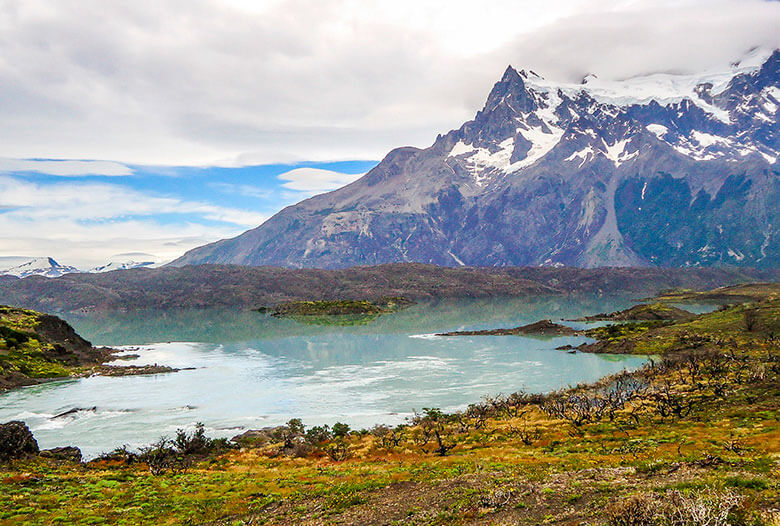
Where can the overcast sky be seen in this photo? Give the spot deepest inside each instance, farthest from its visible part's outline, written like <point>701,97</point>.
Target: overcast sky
<point>243,83</point>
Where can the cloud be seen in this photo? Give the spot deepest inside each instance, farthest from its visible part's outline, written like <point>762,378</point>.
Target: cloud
<point>84,224</point>
<point>64,168</point>
<point>203,81</point>
<point>242,189</point>
<point>316,180</point>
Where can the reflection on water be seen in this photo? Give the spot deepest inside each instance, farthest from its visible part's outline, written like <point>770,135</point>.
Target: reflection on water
<point>253,370</point>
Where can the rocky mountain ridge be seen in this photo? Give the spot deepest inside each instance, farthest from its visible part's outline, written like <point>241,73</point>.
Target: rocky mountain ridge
<point>661,170</point>
<point>48,267</point>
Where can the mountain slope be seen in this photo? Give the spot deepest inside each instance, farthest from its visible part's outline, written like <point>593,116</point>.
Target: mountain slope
<point>664,170</point>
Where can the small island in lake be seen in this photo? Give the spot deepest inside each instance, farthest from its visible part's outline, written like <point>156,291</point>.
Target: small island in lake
<point>539,328</point>
<point>337,312</point>
<point>643,312</point>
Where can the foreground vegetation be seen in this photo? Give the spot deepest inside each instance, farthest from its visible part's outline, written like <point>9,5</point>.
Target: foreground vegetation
<point>690,439</point>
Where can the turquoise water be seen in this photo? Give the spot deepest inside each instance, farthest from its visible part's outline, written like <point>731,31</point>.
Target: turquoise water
<point>252,370</point>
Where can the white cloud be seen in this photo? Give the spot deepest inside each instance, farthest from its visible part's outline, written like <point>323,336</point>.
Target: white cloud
<point>85,224</point>
<point>64,168</point>
<point>200,81</point>
<point>242,189</point>
<point>316,180</point>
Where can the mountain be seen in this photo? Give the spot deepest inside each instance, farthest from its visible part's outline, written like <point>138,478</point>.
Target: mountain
<point>121,265</point>
<point>49,268</point>
<point>658,170</point>
<point>46,267</point>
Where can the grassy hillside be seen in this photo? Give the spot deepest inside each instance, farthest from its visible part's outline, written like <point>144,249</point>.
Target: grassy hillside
<point>691,439</point>
<point>37,347</point>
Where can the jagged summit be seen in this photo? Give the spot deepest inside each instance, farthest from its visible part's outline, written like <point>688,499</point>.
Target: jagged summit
<point>659,169</point>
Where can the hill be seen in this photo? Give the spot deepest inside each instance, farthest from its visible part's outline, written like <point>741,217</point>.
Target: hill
<point>203,286</point>
<point>36,347</point>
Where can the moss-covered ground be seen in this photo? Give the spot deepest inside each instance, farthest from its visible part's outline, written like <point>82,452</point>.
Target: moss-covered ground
<point>22,350</point>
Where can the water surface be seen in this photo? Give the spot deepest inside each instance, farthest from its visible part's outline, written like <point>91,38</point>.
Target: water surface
<point>253,370</point>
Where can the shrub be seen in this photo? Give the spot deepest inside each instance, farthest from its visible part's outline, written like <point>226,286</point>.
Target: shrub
<point>340,430</point>
<point>318,435</point>
<point>702,508</point>
<point>636,510</point>
<point>750,319</point>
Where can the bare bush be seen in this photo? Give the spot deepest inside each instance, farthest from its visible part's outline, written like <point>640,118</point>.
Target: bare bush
<point>637,510</point>
<point>388,436</point>
<point>703,508</point>
<point>433,426</point>
<point>527,435</point>
<point>674,508</point>
<point>670,401</point>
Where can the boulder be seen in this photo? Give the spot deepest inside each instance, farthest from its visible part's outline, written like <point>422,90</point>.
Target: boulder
<point>70,453</point>
<point>16,441</point>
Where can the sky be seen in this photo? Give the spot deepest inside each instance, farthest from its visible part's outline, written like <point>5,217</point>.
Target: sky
<point>152,127</point>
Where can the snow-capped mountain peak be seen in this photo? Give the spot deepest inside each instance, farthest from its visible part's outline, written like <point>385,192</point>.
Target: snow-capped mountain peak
<point>43,266</point>
<point>49,268</point>
<point>121,265</point>
<point>663,168</point>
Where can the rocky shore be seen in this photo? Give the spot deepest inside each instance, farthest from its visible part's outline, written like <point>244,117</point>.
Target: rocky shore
<point>37,348</point>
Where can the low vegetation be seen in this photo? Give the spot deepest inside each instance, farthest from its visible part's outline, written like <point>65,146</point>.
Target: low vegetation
<point>37,347</point>
<point>645,312</point>
<point>692,438</point>
<point>730,294</point>
<point>337,312</point>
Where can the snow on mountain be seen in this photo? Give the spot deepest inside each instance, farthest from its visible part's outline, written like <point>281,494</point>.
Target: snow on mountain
<point>660,169</point>
<point>121,265</point>
<point>45,266</point>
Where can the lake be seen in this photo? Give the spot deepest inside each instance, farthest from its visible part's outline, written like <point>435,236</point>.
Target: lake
<point>252,370</point>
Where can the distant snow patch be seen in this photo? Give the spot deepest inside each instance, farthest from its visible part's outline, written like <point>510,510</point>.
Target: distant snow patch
<point>617,152</point>
<point>658,129</point>
<point>584,155</point>
<point>456,258</point>
<point>736,254</point>
<point>541,144</point>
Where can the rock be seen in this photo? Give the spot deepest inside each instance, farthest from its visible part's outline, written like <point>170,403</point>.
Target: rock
<point>16,441</point>
<point>643,312</point>
<point>253,437</point>
<point>70,453</point>
<point>539,328</point>
<point>74,411</point>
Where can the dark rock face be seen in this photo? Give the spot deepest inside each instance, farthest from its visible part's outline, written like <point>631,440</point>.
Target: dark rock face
<point>556,174</point>
<point>68,453</point>
<point>54,329</point>
<point>16,441</point>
